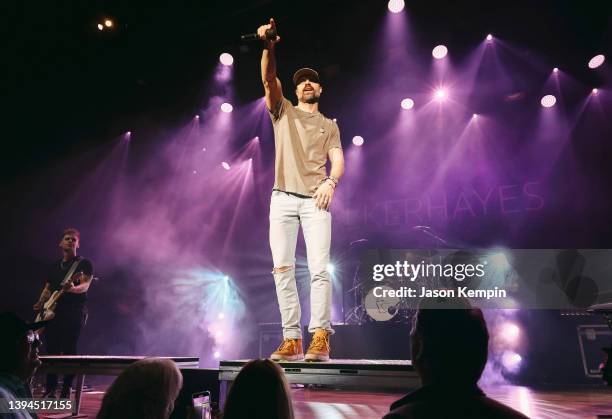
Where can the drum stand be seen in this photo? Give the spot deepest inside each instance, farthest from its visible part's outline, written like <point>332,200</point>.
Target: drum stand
<point>357,314</point>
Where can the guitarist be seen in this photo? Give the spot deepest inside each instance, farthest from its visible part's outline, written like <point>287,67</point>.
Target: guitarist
<point>62,334</point>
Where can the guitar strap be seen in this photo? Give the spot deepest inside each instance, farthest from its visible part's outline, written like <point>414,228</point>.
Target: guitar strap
<point>71,270</point>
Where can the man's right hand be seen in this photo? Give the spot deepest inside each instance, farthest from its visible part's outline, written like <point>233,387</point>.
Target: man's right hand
<point>261,32</point>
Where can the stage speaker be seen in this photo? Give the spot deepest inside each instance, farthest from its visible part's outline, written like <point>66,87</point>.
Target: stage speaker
<point>195,380</point>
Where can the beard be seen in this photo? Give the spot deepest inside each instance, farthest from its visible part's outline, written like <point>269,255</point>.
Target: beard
<point>310,99</point>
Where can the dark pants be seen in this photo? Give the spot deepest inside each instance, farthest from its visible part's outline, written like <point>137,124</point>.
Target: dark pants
<point>61,337</point>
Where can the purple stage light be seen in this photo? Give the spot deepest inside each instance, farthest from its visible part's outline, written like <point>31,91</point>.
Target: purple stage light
<point>440,94</point>
<point>195,172</point>
<point>510,333</point>
<point>407,103</point>
<point>511,360</point>
<point>226,59</point>
<point>220,316</point>
<point>197,117</point>
<point>548,101</point>
<point>217,354</point>
<point>256,138</point>
<point>439,52</point>
<point>596,61</point>
<point>489,37</point>
<point>595,91</point>
<point>396,6</point>
<point>555,70</point>
<point>127,136</point>
<point>226,107</point>
<point>100,27</point>
<point>358,140</point>
<point>225,165</point>
<point>475,116</point>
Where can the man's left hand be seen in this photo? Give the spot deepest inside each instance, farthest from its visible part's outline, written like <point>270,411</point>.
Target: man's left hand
<point>323,196</point>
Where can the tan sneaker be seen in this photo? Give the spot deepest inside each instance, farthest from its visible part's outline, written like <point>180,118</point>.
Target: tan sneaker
<point>319,347</point>
<point>289,350</point>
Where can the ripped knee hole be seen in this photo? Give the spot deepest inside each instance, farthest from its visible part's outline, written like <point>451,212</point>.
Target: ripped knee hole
<point>281,269</point>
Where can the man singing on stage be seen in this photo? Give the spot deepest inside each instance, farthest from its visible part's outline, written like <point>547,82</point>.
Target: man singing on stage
<point>304,139</point>
<point>73,274</point>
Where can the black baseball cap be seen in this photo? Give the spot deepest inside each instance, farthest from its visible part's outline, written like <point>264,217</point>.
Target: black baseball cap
<point>311,74</point>
<point>13,327</point>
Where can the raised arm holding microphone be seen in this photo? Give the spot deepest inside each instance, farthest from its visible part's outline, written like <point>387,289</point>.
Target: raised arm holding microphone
<point>302,194</point>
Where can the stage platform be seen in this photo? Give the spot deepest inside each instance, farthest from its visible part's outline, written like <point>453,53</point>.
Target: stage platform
<point>336,373</point>
<point>82,365</point>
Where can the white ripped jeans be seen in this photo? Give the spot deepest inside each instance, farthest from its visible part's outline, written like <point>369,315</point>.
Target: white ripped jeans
<point>287,212</point>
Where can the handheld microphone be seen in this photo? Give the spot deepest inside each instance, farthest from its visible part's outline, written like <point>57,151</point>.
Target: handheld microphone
<point>270,36</point>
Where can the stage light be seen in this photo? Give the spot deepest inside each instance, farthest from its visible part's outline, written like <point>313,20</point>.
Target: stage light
<point>225,165</point>
<point>475,116</point>
<point>596,61</point>
<point>100,27</point>
<point>489,37</point>
<point>256,138</point>
<point>331,268</point>
<point>195,172</point>
<point>335,120</point>
<point>595,91</point>
<point>510,333</point>
<point>217,354</point>
<point>511,360</point>
<point>219,334</point>
<point>203,148</point>
<point>220,316</point>
<point>226,107</point>
<point>440,94</point>
<point>548,101</point>
<point>358,140</point>
<point>226,278</point>
<point>226,59</point>
<point>396,6</point>
<point>108,23</point>
<point>439,52</point>
<point>499,260</point>
<point>407,103</point>
<point>555,70</point>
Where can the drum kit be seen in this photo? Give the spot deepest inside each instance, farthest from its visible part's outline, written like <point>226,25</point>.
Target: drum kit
<point>372,302</point>
<point>368,301</point>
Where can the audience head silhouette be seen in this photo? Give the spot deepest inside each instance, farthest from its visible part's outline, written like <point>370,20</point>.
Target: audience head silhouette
<point>260,391</point>
<point>144,390</point>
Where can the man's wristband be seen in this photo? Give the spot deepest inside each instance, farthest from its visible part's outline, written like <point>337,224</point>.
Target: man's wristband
<point>334,181</point>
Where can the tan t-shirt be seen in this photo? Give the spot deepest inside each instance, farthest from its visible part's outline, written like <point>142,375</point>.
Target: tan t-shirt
<point>302,141</point>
